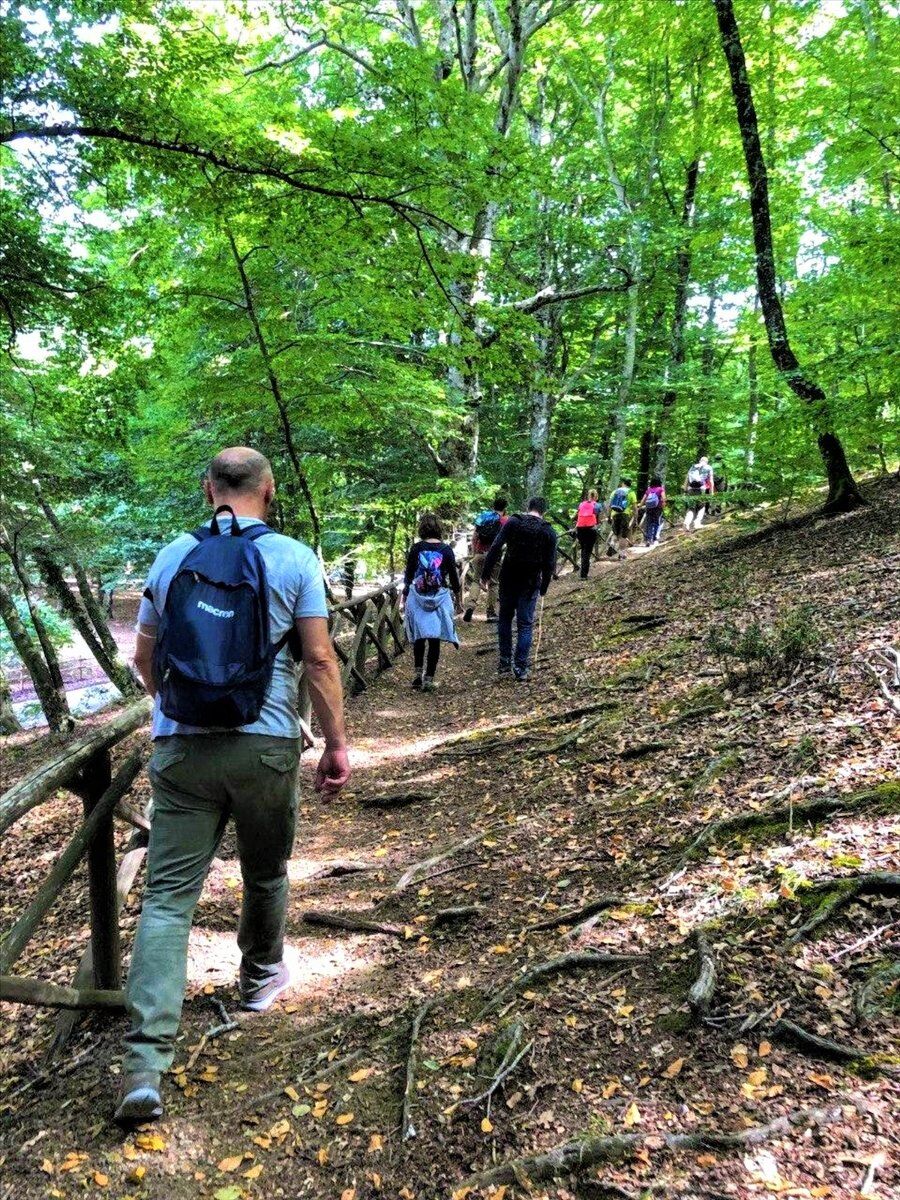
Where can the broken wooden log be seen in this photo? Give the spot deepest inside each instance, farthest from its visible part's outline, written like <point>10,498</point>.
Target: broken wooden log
<point>349,921</point>
<point>19,989</point>
<point>703,988</point>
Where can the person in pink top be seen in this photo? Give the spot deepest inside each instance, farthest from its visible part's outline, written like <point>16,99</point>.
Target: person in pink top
<point>653,505</point>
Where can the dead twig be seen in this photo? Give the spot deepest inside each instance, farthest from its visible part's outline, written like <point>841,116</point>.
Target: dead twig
<point>350,922</point>
<point>841,892</point>
<point>810,1043</point>
<point>407,1129</point>
<point>576,916</point>
<point>562,965</point>
<point>412,873</point>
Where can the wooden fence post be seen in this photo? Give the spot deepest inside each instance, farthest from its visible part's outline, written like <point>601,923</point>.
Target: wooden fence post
<point>93,780</point>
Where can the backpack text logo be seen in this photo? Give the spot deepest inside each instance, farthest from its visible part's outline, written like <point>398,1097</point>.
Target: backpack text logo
<point>216,612</point>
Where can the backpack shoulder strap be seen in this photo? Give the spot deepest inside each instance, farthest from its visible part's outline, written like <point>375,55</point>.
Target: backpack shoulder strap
<point>202,533</point>
<point>257,531</point>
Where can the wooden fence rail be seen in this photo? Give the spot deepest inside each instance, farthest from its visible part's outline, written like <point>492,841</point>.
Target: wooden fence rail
<point>366,627</point>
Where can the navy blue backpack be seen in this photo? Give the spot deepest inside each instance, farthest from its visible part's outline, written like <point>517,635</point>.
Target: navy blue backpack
<point>213,659</point>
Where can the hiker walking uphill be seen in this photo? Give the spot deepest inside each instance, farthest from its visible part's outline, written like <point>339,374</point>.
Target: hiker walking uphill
<point>431,586</point>
<point>586,520</point>
<point>699,485</point>
<point>653,506</point>
<point>487,525</point>
<point>220,612</point>
<point>528,566</point>
<point>622,506</point>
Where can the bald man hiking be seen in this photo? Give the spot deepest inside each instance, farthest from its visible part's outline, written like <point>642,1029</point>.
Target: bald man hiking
<point>225,613</point>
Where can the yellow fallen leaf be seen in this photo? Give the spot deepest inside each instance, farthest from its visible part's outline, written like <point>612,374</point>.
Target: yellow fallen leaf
<point>632,1116</point>
<point>292,1093</point>
<point>262,1141</point>
<point>150,1141</point>
<point>47,1167</point>
<point>577,1085</point>
<point>706,1160</point>
<point>344,1118</point>
<point>571,1021</point>
<point>739,1056</point>
<point>319,1110</point>
<point>361,1074</point>
<point>254,1172</point>
<point>610,1088</point>
<point>765,1049</point>
<point>486,1126</point>
<point>756,1078</point>
<point>674,1068</point>
<point>500,949</point>
<point>497,1193</point>
<point>348,1194</point>
<point>322,1156</point>
<point>625,1010</point>
<point>100,1179</point>
<point>376,1144</point>
<point>231,1164</point>
<point>129,1152</point>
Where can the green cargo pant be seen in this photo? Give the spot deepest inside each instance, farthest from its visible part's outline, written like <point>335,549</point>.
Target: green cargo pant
<point>198,783</point>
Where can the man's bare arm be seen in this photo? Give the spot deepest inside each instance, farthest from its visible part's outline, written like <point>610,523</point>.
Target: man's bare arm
<point>327,696</point>
<point>143,657</point>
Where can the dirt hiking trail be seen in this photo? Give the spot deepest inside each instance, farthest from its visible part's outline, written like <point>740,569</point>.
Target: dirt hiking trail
<point>576,937</point>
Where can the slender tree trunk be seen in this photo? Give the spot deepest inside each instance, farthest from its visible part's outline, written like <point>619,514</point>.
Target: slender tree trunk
<point>113,667</point>
<point>91,606</point>
<point>643,471</point>
<point>277,395</point>
<point>40,629</point>
<point>752,405</point>
<point>626,379</point>
<point>679,313</point>
<point>9,722</point>
<point>52,696</point>
<point>707,362</point>
<point>843,494</point>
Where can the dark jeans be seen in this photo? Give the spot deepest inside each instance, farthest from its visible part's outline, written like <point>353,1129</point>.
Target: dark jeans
<point>521,605</point>
<point>652,521</point>
<point>587,540</point>
<point>434,653</point>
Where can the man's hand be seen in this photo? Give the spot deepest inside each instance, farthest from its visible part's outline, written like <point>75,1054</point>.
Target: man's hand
<point>332,772</point>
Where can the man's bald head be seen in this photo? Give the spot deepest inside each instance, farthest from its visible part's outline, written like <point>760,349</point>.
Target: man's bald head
<point>239,471</point>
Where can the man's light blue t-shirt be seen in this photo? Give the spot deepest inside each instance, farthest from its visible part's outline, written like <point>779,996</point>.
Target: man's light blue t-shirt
<point>296,589</point>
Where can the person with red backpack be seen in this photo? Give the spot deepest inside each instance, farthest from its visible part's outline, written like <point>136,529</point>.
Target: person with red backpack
<point>586,520</point>
<point>225,612</point>
<point>431,589</point>
<point>487,526</point>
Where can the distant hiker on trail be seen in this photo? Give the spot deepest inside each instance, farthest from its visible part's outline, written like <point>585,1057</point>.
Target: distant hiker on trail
<point>220,610</point>
<point>528,567</point>
<point>431,589</point>
<point>653,505</point>
<point>699,486</point>
<point>586,519</point>
<point>622,507</point>
<point>487,525</point>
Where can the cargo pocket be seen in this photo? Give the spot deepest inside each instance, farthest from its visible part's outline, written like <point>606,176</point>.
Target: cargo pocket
<point>282,761</point>
<point>163,759</point>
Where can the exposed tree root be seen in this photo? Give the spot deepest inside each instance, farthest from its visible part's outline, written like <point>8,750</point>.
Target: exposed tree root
<point>411,874</point>
<point>810,1043</point>
<point>455,916</point>
<point>480,740</point>
<point>577,960</point>
<point>588,1152</point>
<point>868,999</point>
<point>841,892</point>
<point>643,749</point>
<point>703,988</point>
<point>349,921</point>
<point>575,916</point>
<point>396,800</point>
<point>635,626</point>
<point>737,545</point>
<point>407,1129</point>
<point>508,1056</point>
<point>227,1026</point>
<point>568,739</point>
<point>344,867</point>
<point>692,714</point>
<point>642,619</point>
<point>885,796</point>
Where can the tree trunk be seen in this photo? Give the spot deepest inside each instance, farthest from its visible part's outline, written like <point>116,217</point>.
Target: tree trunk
<point>626,379</point>
<point>51,696</point>
<point>9,722</point>
<point>113,667</point>
<point>707,362</point>
<point>843,494</point>
<point>752,406</point>
<point>679,313</point>
<point>643,471</point>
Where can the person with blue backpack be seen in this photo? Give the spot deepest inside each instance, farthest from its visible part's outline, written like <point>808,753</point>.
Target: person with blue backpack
<point>487,526</point>
<point>225,613</point>
<point>431,592</point>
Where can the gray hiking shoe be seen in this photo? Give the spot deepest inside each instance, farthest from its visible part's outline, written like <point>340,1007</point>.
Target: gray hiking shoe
<point>259,996</point>
<point>139,1099</point>
<point>428,684</point>
<point>504,670</point>
<point>523,675</point>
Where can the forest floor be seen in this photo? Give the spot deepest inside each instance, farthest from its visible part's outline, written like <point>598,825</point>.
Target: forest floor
<point>571,816</point>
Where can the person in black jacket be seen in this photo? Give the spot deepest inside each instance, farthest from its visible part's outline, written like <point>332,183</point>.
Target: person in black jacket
<point>528,567</point>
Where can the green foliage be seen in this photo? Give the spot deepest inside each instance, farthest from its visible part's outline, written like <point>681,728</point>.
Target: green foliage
<point>58,628</point>
<point>752,653</point>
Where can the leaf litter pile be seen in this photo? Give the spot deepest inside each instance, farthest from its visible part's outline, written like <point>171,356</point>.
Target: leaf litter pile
<point>628,930</point>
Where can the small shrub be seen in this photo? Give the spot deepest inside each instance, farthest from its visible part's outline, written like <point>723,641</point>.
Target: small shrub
<point>752,653</point>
